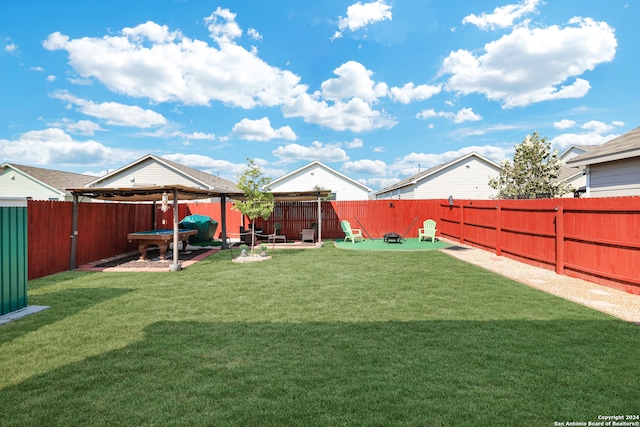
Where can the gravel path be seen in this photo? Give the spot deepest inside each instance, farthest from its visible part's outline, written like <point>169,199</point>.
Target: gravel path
<point>617,303</point>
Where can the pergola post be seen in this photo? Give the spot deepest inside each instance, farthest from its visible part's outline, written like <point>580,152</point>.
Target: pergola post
<point>223,221</point>
<point>176,265</point>
<point>319,221</point>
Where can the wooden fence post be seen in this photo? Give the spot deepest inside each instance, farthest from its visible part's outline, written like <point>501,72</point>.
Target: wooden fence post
<point>559,239</point>
<point>499,230</point>
<point>461,223</point>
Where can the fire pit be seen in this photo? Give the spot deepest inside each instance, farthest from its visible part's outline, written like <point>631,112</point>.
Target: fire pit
<point>392,237</point>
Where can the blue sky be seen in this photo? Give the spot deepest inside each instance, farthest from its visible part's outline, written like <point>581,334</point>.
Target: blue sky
<point>377,90</point>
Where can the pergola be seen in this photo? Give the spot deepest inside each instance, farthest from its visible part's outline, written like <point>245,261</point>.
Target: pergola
<point>176,193</point>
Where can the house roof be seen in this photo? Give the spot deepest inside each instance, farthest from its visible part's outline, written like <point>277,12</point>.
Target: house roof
<point>623,147</point>
<point>207,180</point>
<point>322,165</point>
<point>54,179</point>
<point>412,180</point>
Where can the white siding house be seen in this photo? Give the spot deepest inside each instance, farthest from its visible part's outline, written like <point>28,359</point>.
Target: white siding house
<point>464,178</point>
<point>316,175</point>
<point>575,176</point>
<point>152,170</point>
<point>38,183</point>
<point>613,168</point>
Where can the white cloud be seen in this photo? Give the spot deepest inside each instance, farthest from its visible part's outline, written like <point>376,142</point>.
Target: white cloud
<point>114,113</point>
<point>222,26</point>
<point>82,127</point>
<point>354,81</point>
<point>374,167</point>
<point>564,124</point>
<point>598,126</point>
<point>261,130</point>
<point>10,47</point>
<point>254,34</point>
<point>379,183</point>
<point>464,115</point>
<point>316,151</point>
<point>359,15</point>
<point>566,140</point>
<point>355,115</point>
<point>355,143</point>
<point>150,61</point>
<point>596,133</point>
<point>533,65</point>
<point>410,92</point>
<point>350,107</point>
<point>199,136</point>
<point>54,146</point>
<point>502,17</point>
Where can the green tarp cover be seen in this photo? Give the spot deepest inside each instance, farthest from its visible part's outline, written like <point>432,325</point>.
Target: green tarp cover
<point>205,225</point>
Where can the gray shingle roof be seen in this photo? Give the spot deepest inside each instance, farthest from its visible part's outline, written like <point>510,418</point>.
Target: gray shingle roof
<point>214,181</point>
<point>57,179</point>
<point>623,147</point>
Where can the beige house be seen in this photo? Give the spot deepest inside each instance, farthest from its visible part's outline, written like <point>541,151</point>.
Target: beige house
<point>466,177</point>
<point>613,168</point>
<point>18,181</point>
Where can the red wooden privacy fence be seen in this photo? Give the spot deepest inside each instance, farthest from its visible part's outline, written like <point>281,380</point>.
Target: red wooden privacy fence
<point>593,239</point>
<point>102,230</point>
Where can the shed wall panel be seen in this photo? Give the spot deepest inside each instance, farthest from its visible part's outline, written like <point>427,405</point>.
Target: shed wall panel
<point>13,258</point>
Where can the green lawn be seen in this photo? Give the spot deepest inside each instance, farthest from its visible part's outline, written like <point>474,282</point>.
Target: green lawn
<point>323,337</point>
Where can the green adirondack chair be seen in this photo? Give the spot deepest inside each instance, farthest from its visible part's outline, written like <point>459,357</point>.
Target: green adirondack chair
<point>352,234</point>
<point>428,230</point>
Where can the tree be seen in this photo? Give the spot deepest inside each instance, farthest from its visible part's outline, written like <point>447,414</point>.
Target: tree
<point>258,203</point>
<point>534,171</point>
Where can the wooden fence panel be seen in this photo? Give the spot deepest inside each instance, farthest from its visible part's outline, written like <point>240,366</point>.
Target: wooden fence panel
<point>528,230</point>
<point>103,228</point>
<point>375,217</point>
<point>379,217</point>
<point>49,237</point>
<point>602,241</point>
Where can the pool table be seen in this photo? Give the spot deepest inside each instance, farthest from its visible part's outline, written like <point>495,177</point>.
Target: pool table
<point>159,238</point>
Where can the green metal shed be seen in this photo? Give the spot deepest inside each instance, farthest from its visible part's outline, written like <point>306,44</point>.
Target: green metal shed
<point>13,255</point>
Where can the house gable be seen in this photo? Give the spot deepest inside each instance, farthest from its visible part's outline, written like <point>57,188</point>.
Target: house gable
<point>155,171</point>
<point>317,175</point>
<point>466,177</point>
<point>38,183</point>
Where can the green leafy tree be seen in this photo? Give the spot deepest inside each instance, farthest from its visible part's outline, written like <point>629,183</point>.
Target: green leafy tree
<point>258,203</point>
<point>534,170</point>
